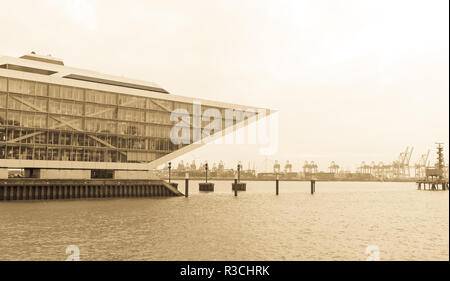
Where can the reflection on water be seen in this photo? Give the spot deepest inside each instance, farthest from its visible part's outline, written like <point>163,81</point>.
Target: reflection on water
<point>337,223</point>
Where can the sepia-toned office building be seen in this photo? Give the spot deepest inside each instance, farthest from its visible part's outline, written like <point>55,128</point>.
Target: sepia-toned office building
<point>62,122</point>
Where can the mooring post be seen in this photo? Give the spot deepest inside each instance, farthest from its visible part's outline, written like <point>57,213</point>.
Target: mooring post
<point>235,185</point>
<point>277,185</point>
<point>186,185</point>
<point>313,186</point>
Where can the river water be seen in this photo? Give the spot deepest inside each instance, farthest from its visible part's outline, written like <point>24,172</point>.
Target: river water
<point>337,223</point>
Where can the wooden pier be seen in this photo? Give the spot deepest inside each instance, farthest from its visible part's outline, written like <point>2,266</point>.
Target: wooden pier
<point>436,178</point>
<point>434,185</point>
<point>32,189</point>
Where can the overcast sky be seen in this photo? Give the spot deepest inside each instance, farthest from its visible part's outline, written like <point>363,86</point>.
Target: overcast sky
<point>353,80</point>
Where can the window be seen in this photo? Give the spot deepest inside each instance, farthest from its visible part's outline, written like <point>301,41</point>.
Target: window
<point>15,86</point>
<point>54,91</point>
<point>28,87</point>
<point>3,84</point>
<point>2,118</point>
<point>2,100</point>
<point>41,89</point>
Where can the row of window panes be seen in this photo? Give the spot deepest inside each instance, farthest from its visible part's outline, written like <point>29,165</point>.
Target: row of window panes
<point>76,141</point>
<point>65,123</point>
<point>158,117</point>
<point>76,108</point>
<point>101,97</point>
<point>133,129</point>
<point>143,116</point>
<point>157,131</point>
<point>131,115</point>
<point>38,120</point>
<point>28,103</point>
<point>25,119</point>
<point>41,153</point>
<point>12,134</point>
<point>3,100</point>
<point>72,93</point>
<point>100,111</point>
<point>3,84</point>
<point>65,92</point>
<point>132,101</point>
<point>27,87</point>
<point>182,105</point>
<point>65,107</point>
<point>100,126</point>
<point>77,154</point>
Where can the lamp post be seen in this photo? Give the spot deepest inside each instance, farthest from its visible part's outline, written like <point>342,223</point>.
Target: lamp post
<point>277,185</point>
<point>170,167</point>
<point>186,185</point>
<point>206,170</point>
<point>239,171</point>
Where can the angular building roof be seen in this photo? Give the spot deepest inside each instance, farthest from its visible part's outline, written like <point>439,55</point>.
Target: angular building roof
<point>51,66</point>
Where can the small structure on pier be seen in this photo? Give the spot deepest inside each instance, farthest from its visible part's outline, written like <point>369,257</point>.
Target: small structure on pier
<point>435,178</point>
<point>238,185</point>
<point>206,186</point>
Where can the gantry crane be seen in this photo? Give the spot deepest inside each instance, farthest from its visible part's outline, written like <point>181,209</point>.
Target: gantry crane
<point>288,167</point>
<point>334,168</point>
<point>419,168</point>
<point>276,167</point>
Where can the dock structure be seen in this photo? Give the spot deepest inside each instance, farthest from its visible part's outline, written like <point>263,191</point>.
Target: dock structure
<point>26,189</point>
<point>206,186</point>
<point>432,184</point>
<point>435,178</point>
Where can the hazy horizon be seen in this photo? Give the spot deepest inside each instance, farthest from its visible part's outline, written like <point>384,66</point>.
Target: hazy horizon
<point>353,81</point>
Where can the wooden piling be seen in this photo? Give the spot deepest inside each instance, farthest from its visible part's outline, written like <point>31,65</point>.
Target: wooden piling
<point>313,186</point>
<point>186,185</point>
<point>277,185</point>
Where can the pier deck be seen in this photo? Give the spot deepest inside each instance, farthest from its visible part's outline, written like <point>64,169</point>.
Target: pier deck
<point>33,189</point>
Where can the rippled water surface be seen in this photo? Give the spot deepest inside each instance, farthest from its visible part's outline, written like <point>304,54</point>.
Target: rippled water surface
<point>337,223</point>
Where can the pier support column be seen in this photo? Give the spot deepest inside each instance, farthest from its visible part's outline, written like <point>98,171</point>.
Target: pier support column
<point>277,185</point>
<point>8,193</point>
<point>313,186</point>
<point>40,192</point>
<point>186,185</point>
<point>21,192</point>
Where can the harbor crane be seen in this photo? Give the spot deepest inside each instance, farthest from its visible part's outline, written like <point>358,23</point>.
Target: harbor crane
<point>334,168</point>
<point>401,166</point>
<point>288,167</point>
<point>421,165</point>
<point>276,167</point>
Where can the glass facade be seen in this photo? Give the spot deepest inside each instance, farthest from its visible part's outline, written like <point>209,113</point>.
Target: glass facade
<point>40,121</point>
